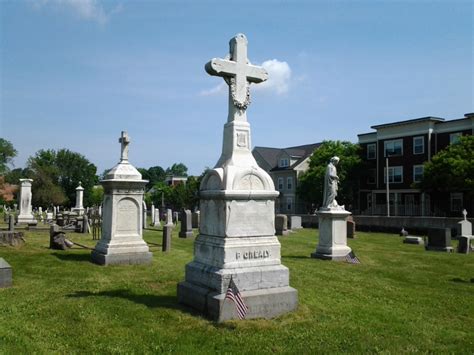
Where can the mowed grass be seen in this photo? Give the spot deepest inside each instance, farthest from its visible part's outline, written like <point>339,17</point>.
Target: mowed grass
<point>401,298</point>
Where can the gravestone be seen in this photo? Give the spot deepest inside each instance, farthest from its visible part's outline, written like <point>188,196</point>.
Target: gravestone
<point>79,208</point>
<point>186,224</point>
<point>49,216</point>
<point>196,218</point>
<point>413,240</point>
<point>144,223</point>
<point>295,222</point>
<point>464,227</point>
<point>237,202</point>
<point>121,241</point>
<point>153,215</point>
<point>464,246</point>
<point>175,217</point>
<point>439,239</point>
<point>157,222</point>
<point>11,223</point>
<point>26,215</point>
<point>167,230</point>
<point>6,274</point>
<point>169,217</point>
<point>351,227</point>
<point>281,224</point>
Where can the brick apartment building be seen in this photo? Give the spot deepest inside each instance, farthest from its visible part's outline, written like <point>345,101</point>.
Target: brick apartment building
<point>405,146</point>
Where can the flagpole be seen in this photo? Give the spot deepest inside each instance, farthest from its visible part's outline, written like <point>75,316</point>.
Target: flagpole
<point>225,295</point>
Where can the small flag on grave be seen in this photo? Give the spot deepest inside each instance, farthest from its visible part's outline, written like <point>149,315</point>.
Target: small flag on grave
<point>234,295</point>
<point>352,259</point>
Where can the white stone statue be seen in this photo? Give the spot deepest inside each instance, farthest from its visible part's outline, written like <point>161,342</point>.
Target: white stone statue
<point>331,181</point>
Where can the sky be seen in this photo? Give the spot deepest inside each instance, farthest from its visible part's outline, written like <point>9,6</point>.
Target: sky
<point>74,74</point>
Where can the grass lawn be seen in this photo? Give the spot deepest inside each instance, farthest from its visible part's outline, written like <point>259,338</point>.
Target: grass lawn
<point>401,298</point>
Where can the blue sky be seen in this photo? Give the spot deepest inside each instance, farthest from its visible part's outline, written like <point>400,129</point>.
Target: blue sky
<point>76,73</point>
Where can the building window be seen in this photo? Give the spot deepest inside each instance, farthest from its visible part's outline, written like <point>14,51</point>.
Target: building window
<point>395,174</point>
<point>371,151</point>
<point>289,183</point>
<point>394,147</point>
<point>417,173</point>
<point>456,202</point>
<point>454,137</point>
<point>280,183</point>
<point>371,176</point>
<point>289,203</point>
<point>284,162</point>
<point>418,145</point>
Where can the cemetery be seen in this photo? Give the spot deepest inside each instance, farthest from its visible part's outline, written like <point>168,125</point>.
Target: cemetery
<point>303,249</point>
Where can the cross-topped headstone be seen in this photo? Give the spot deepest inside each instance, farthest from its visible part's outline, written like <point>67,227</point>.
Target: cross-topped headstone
<point>238,74</point>
<point>124,141</point>
<point>464,213</point>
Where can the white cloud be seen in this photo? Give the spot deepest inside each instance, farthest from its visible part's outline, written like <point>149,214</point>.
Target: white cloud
<point>89,10</point>
<point>279,78</point>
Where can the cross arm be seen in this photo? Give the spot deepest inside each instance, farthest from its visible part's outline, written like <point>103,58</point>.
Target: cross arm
<point>220,67</point>
<point>256,74</point>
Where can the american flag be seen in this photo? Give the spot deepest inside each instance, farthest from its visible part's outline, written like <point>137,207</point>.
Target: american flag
<point>233,294</point>
<point>351,258</point>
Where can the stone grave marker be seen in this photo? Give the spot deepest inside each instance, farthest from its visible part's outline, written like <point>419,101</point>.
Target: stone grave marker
<point>186,224</point>
<point>6,274</point>
<point>121,241</point>
<point>439,239</point>
<point>157,222</point>
<point>281,227</point>
<point>464,227</point>
<point>196,218</point>
<point>464,244</point>
<point>295,222</point>
<point>26,214</point>
<point>351,227</point>
<point>237,202</point>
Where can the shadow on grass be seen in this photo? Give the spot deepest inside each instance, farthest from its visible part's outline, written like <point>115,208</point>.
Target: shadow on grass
<point>154,244</point>
<point>295,257</point>
<point>459,280</point>
<point>149,300</point>
<point>73,256</point>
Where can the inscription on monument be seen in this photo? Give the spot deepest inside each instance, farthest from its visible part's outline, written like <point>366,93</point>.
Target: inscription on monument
<point>127,216</point>
<point>253,254</point>
<point>242,139</point>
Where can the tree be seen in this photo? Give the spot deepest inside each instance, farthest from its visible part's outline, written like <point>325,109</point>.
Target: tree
<point>178,169</point>
<point>97,195</point>
<point>7,153</point>
<point>154,175</point>
<point>452,169</point>
<point>310,185</point>
<point>57,174</point>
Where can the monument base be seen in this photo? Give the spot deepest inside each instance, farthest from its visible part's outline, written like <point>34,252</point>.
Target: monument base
<point>413,240</point>
<point>332,235</point>
<point>30,220</point>
<point>121,258</point>
<point>261,303</point>
<point>445,249</point>
<point>186,234</point>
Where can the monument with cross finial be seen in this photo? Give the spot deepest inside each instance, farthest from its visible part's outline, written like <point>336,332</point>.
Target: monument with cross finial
<point>122,214</point>
<point>237,202</point>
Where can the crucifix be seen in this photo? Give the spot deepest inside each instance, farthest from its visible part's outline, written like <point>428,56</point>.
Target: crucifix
<point>124,141</point>
<point>238,73</point>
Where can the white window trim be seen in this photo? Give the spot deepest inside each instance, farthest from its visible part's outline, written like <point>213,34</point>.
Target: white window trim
<point>289,203</point>
<point>422,171</point>
<point>393,141</point>
<point>289,180</point>
<point>280,183</point>
<point>284,163</point>
<point>375,151</point>
<point>392,168</point>
<point>423,145</point>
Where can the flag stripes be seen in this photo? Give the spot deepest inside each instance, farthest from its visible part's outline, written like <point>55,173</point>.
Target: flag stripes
<point>234,295</point>
<point>352,259</point>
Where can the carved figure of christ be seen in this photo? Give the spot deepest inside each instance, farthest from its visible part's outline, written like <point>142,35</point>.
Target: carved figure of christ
<point>238,74</point>
<point>124,141</point>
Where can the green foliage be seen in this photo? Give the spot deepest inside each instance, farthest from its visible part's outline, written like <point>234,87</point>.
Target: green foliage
<point>97,195</point>
<point>178,169</point>
<point>311,184</point>
<point>61,303</point>
<point>452,169</point>
<point>14,176</point>
<point>7,153</point>
<point>57,174</point>
<point>177,197</point>
<point>154,175</point>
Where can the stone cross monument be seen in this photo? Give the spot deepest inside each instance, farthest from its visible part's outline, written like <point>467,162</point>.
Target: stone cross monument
<point>26,215</point>
<point>79,198</point>
<point>237,202</point>
<point>122,215</point>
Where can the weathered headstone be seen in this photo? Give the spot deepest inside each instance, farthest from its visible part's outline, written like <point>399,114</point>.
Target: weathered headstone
<point>57,238</point>
<point>295,222</point>
<point>281,224</point>
<point>152,214</point>
<point>6,274</point>
<point>464,244</point>
<point>196,219</point>
<point>464,227</point>
<point>413,240</point>
<point>186,224</point>
<point>79,209</point>
<point>157,222</point>
<point>26,215</point>
<point>439,239</point>
<point>144,224</point>
<point>351,227</point>
<point>122,241</point>
<point>11,223</point>
<point>169,217</point>
<point>237,229</point>
<point>175,217</point>
<point>166,243</point>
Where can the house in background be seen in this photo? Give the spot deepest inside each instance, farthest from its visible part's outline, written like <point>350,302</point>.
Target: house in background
<point>285,166</point>
<point>404,146</point>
